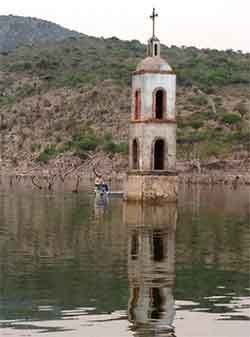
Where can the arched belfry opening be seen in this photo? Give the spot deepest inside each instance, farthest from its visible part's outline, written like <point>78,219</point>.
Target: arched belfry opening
<point>156,50</point>
<point>137,112</point>
<point>158,249</point>
<point>134,246</point>
<point>159,154</point>
<point>160,103</point>
<point>157,300</point>
<point>135,154</point>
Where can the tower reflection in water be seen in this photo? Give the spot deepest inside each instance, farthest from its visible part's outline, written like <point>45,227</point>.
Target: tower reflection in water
<point>151,268</point>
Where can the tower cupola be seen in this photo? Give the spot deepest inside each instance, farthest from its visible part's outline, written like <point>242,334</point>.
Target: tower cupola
<point>153,62</point>
<point>154,47</point>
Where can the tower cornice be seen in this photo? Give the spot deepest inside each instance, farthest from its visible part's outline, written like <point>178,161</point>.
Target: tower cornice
<point>162,72</point>
<point>154,120</point>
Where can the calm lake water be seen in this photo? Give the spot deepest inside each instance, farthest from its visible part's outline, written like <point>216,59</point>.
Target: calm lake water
<point>71,265</point>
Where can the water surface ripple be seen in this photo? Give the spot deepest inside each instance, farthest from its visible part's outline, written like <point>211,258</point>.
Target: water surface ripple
<point>71,264</point>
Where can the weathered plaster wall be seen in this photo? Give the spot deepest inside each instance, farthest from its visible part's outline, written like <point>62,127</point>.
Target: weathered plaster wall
<point>148,83</point>
<point>151,187</point>
<point>146,134</point>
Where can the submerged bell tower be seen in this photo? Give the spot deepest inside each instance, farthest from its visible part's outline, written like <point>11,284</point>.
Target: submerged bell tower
<point>152,132</point>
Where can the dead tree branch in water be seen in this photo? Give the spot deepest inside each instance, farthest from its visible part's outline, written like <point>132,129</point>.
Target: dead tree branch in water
<point>46,180</point>
<point>64,175</point>
<point>76,190</point>
<point>35,183</point>
<point>51,181</point>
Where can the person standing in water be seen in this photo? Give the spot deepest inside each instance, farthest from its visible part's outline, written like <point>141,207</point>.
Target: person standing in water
<point>99,183</point>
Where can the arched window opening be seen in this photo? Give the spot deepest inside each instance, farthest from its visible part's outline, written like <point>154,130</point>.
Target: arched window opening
<point>135,154</point>
<point>134,246</point>
<point>158,247</point>
<point>137,114</point>
<point>157,301</point>
<point>159,149</point>
<point>159,104</point>
<point>156,50</point>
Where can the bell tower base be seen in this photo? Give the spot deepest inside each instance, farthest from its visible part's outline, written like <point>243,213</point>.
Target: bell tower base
<point>155,186</point>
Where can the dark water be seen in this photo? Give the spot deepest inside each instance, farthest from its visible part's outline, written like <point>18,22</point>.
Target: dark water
<point>74,266</point>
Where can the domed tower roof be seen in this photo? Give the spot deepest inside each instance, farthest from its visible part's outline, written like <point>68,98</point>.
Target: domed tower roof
<point>153,64</point>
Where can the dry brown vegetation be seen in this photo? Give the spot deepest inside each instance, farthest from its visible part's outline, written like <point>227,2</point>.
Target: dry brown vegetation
<point>71,100</point>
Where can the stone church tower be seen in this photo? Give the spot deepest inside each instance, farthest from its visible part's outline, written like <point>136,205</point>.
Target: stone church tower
<point>152,137</point>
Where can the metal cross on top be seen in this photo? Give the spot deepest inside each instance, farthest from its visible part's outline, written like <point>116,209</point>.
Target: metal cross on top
<point>153,17</point>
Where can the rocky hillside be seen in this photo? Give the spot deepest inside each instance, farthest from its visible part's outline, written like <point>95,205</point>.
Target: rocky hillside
<point>71,99</point>
<point>17,31</point>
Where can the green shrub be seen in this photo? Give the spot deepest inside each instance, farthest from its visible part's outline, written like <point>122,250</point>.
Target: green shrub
<point>47,154</point>
<point>87,143</point>
<point>47,64</point>
<point>231,118</point>
<point>21,66</point>
<point>209,149</point>
<point>196,124</point>
<point>7,100</point>
<point>198,100</point>
<point>80,153</point>
<point>242,137</point>
<point>26,91</point>
<point>122,148</point>
<point>112,147</point>
<point>108,136</point>
<point>68,146</point>
<point>109,146</point>
<point>81,143</point>
<point>218,100</point>
<point>73,80</point>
